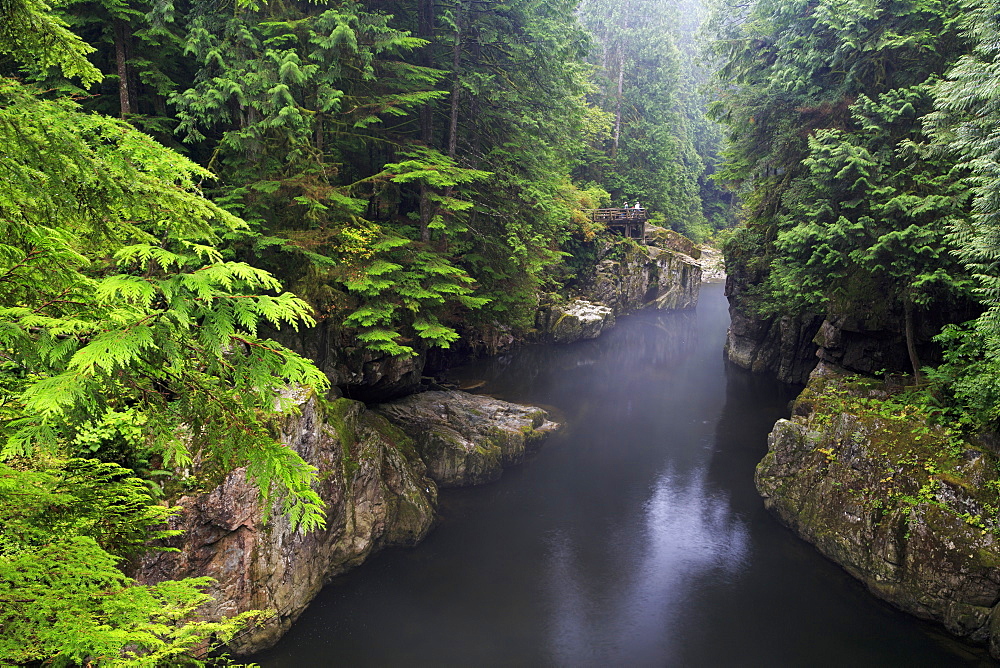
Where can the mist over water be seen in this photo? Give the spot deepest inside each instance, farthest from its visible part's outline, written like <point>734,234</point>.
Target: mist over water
<point>635,538</point>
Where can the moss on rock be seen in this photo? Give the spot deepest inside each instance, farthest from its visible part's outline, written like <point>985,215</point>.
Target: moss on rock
<point>903,506</point>
<point>468,439</point>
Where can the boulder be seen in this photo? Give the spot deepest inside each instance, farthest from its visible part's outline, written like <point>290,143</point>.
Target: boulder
<point>578,320</point>
<point>376,495</point>
<point>376,490</point>
<point>663,237</point>
<point>890,499</point>
<point>468,439</point>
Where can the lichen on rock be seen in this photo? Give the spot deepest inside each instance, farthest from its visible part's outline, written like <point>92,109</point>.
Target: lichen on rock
<point>903,506</point>
<point>376,495</point>
<point>468,439</point>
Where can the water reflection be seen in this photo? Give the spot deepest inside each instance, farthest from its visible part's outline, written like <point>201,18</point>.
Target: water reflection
<point>648,350</point>
<point>635,538</point>
<point>687,533</point>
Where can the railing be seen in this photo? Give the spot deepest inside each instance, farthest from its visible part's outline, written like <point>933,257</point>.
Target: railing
<point>608,215</point>
<point>630,222</point>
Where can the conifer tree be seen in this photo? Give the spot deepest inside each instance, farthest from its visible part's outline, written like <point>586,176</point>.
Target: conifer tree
<point>842,200</point>
<point>125,336</point>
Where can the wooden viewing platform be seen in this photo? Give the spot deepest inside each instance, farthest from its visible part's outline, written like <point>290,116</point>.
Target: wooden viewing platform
<point>628,222</point>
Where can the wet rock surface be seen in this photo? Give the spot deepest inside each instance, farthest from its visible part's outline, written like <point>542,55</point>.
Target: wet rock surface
<point>875,495</point>
<point>377,489</point>
<point>376,495</point>
<point>468,439</point>
<point>782,347</point>
<point>779,346</point>
<point>576,321</point>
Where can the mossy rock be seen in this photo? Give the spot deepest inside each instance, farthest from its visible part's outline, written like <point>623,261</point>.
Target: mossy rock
<point>662,237</point>
<point>467,439</point>
<point>893,500</point>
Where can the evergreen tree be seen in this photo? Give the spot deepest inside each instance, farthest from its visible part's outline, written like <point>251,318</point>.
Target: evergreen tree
<point>966,127</point>
<point>842,202</point>
<point>124,336</point>
<point>646,83</point>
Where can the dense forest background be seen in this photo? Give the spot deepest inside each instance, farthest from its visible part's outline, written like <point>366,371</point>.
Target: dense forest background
<point>180,180</point>
<point>407,165</point>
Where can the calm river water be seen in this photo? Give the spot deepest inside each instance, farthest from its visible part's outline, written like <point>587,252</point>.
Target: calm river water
<point>635,538</point>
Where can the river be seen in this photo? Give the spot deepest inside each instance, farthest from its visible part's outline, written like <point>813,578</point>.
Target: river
<point>635,538</point>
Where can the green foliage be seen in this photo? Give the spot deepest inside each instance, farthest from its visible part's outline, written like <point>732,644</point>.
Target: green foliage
<point>787,69</point>
<point>649,139</point>
<point>967,125</point>
<point>420,282</point>
<point>35,38</point>
<point>966,386</point>
<point>63,600</point>
<point>113,300</point>
<point>823,103</point>
<point>870,217</point>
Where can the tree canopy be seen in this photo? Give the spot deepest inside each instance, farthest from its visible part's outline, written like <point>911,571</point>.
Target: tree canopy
<point>179,183</point>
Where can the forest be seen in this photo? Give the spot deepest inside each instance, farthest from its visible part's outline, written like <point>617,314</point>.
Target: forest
<point>863,142</point>
<point>183,181</point>
<point>181,184</point>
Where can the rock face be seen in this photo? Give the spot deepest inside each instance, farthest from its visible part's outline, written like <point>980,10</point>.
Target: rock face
<point>359,373</point>
<point>376,494</point>
<point>375,487</point>
<point>864,335</point>
<point>713,265</point>
<point>662,237</point>
<point>646,277</point>
<point>468,439</point>
<point>864,346</point>
<point>576,321</point>
<point>881,495</point>
<point>783,347</point>
<point>629,277</point>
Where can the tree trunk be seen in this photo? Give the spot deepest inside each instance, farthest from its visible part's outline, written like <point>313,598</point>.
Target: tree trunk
<point>618,101</point>
<point>456,87</point>
<point>121,60</point>
<point>474,46</point>
<point>911,345</point>
<point>425,213</point>
<point>425,30</point>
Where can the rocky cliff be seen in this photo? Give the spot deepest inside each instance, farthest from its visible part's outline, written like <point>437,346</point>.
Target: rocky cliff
<point>779,346</point>
<point>863,335</point>
<point>904,507</point>
<point>627,277</point>
<point>377,492</point>
<point>468,439</point>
